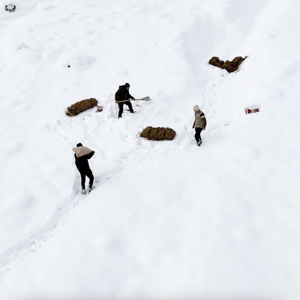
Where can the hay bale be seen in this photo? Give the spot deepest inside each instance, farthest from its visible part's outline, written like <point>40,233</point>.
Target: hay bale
<point>146,132</point>
<point>226,64</point>
<point>170,134</point>
<point>220,64</point>
<point>214,60</point>
<point>234,65</point>
<point>238,60</point>
<point>81,106</point>
<point>161,133</point>
<point>229,66</point>
<point>153,134</point>
<point>158,133</point>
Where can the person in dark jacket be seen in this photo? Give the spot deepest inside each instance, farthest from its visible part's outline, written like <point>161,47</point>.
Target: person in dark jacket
<point>83,167</point>
<point>123,94</point>
<point>199,123</point>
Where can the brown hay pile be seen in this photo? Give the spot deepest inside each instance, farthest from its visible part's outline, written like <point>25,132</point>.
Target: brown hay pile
<point>170,134</point>
<point>80,107</point>
<point>146,132</point>
<point>229,66</point>
<point>158,133</point>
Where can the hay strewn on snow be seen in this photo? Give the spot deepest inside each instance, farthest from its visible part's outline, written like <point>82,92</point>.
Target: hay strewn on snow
<point>158,133</point>
<point>230,66</point>
<point>80,107</point>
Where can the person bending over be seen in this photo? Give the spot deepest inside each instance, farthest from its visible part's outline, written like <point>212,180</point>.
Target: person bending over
<point>82,154</point>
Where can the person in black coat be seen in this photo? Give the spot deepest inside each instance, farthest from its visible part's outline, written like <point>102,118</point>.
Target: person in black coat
<point>123,94</point>
<point>83,167</point>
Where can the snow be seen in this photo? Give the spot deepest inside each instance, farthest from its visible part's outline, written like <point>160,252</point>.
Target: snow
<point>166,219</point>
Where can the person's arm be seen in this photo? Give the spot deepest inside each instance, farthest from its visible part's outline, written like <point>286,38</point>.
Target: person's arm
<point>90,155</point>
<point>130,97</point>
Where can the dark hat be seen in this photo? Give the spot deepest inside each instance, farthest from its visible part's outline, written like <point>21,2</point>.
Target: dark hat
<point>127,85</point>
<point>79,145</point>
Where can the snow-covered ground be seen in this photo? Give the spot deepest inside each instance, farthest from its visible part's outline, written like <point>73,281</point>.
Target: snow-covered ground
<point>167,220</point>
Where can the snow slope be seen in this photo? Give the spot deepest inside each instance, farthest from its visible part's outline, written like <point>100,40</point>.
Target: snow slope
<point>167,220</point>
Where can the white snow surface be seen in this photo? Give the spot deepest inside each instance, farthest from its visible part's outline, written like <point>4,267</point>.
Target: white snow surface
<point>167,220</point>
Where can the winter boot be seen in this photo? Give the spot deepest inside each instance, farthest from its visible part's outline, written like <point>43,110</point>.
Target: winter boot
<point>199,143</point>
<point>83,192</point>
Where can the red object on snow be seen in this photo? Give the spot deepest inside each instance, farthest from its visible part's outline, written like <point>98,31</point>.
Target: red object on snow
<point>252,109</point>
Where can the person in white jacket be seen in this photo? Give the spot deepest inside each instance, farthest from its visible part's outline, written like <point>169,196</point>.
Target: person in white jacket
<point>199,123</point>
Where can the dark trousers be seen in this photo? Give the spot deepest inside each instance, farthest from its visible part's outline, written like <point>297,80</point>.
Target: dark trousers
<point>197,134</point>
<point>89,174</point>
<point>121,108</point>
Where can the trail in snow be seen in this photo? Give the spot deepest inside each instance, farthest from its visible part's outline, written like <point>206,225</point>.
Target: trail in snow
<point>89,128</point>
<point>216,126</point>
<point>241,216</point>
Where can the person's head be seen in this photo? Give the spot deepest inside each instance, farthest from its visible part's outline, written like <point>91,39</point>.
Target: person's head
<point>79,145</point>
<point>127,86</point>
<point>196,107</point>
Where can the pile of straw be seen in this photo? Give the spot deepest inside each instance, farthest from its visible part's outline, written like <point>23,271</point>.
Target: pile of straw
<point>80,107</point>
<point>158,133</point>
<point>229,66</point>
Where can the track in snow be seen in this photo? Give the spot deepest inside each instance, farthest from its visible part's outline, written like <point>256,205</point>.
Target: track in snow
<point>90,127</point>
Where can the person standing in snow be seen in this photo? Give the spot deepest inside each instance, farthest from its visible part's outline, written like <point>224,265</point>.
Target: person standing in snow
<point>123,94</point>
<point>82,154</point>
<point>199,123</point>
